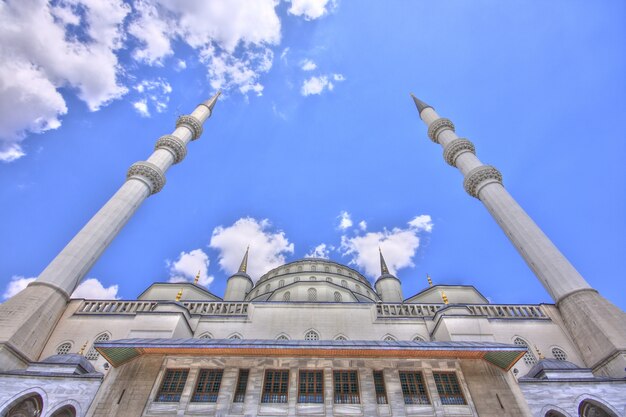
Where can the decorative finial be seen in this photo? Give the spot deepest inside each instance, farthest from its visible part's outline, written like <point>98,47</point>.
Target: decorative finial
<point>430,281</point>
<point>179,295</point>
<point>420,104</point>
<point>195,281</point>
<point>210,103</point>
<point>244,262</point>
<point>444,297</point>
<point>383,265</point>
<point>81,352</point>
<point>541,357</point>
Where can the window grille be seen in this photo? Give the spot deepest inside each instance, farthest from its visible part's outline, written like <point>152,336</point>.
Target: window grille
<point>311,335</point>
<point>282,337</point>
<point>312,294</point>
<point>413,388</point>
<point>389,339</point>
<point>346,387</point>
<point>208,386</point>
<point>242,383</point>
<point>559,354</point>
<point>281,283</point>
<point>235,336</point>
<point>64,348</point>
<point>418,339</point>
<point>172,385</point>
<point>311,387</point>
<point>344,283</point>
<point>275,386</point>
<point>93,354</point>
<point>287,296</point>
<point>529,358</point>
<point>206,336</point>
<point>379,386</point>
<point>337,297</point>
<point>448,388</point>
<point>341,338</point>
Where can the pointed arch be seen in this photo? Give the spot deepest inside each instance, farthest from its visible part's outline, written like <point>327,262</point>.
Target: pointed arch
<point>592,406</point>
<point>92,353</point>
<point>282,336</point>
<point>312,335</point>
<point>340,336</point>
<point>311,294</point>
<point>29,400</point>
<point>235,336</point>
<point>553,411</point>
<point>69,408</point>
<point>529,357</point>
<point>418,338</point>
<point>206,335</point>
<point>389,338</point>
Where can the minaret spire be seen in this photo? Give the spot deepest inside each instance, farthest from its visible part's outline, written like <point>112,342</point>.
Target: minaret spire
<point>383,265</point>
<point>27,319</point>
<point>244,262</point>
<point>597,326</point>
<point>420,104</point>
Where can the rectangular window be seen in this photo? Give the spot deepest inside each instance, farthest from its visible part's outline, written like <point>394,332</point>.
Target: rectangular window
<point>379,385</point>
<point>346,387</point>
<point>208,386</point>
<point>448,388</point>
<point>242,383</point>
<point>172,385</point>
<point>311,387</point>
<point>413,388</point>
<point>276,386</point>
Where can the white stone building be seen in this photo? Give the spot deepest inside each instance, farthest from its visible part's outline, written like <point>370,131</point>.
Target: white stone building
<point>312,337</point>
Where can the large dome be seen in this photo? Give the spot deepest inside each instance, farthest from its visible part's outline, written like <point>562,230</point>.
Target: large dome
<point>313,279</point>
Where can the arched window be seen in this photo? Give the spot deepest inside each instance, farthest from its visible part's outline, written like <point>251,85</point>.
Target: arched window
<point>281,283</point>
<point>529,358</point>
<point>300,268</point>
<point>296,279</point>
<point>287,296</point>
<point>339,271</point>
<point>389,338</point>
<point>235,337</point>
<point>267,288</point>
<point>286,270</point>
<point>358,288</point>
<point>591,408</point>
<point>341,337</point>
<point>29,406</point>
<point>344,283</point>
<point>326,269</point>
<point>282,337</point>
<point>67,411</point>
<point>337,297</point>
<point>206,336</point>
<point>329,279</point>
<point>311,335</point>
<point>418,339</point>
<point>312,279</point>
<point>554,413</point>
<point>559,354</point>
<point>312,294</point>
<point>64,348</point>
<point>93,354</point>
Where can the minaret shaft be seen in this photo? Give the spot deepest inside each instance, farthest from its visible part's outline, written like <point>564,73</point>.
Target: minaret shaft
<point>28,318</point>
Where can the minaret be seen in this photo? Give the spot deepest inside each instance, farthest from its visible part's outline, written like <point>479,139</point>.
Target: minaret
<point>388,286</point>
<point>597,326</point>
<point>239,284</point>
<point>27,319</point>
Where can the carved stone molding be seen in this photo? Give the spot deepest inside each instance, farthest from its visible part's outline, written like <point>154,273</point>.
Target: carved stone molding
<point>192,124</point>
<point>439,126</point>
<point>173,144</point>
<point>149,173</point>
<point>456,148</point>
<point>479,177</point>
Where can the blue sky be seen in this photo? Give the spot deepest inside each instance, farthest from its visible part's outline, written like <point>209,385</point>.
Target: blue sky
<point>316,140</point>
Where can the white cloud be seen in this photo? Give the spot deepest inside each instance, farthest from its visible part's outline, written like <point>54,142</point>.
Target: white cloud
<point>311,9</point>
<point>363,225</point>
<point>17,284</point>
<point>152,32</point>
<point>318,84</point>
<point>320,251</point>
<point>181,65</point>
<point>399,246</point>
<point>268,247</point>
<point>154,94</point>
<point>339,77</point>
<point>283,54</point>
<point>308,65</point>
<point>345,220</point>
<point>40,54</point>
<point>187,266</point>
<point>93,289</point>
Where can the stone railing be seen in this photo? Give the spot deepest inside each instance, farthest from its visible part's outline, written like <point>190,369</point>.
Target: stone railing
<point>406,310</point>
<point>115,307</point>
<point>210,308</point>
<point>507,311</point>
<point>504,311</point>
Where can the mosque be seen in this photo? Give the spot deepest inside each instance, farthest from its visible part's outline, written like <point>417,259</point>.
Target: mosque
<point>312,337</point>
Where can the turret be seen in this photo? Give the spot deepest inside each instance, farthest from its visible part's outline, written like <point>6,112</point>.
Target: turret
<point>239,284</point>
<point>388,287</point>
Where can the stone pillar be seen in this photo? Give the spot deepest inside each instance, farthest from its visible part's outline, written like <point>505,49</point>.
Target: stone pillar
<point>27,319</point>
<point>559,277</point>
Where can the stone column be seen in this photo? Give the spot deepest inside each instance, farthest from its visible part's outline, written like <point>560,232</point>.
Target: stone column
<point>27,319</point>
<point>604,322</point>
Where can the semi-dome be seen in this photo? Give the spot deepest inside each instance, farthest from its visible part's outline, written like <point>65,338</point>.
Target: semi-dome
<point>313,279</point>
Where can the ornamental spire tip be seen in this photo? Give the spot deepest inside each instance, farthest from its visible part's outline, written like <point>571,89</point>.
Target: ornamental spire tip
<point>244,262</point>
<point>420,104</point>
<point>210,103</point>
